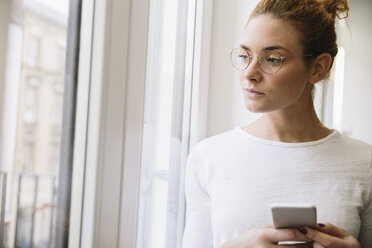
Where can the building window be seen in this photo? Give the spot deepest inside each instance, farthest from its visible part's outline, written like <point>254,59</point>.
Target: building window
<point>33,52</point>
<point>60,58</point>
<point>31,98</point>
<point>32,144</point>
<point>28,155</point>
<point>57,106</point>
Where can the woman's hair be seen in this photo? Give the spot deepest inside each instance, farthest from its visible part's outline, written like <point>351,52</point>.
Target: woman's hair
<point>314,21</point>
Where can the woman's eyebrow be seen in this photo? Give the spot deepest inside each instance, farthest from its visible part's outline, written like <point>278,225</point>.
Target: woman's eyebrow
<point>270,48</point>
<point>245,47</point>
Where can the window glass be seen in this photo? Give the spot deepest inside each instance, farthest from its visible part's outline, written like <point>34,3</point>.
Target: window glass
<point>159,210</point>
<point>31,123</point>
<point>33,51</point>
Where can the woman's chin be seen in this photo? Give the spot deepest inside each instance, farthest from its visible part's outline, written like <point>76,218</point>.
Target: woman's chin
<point>254,107</point>
<point>254,110</point>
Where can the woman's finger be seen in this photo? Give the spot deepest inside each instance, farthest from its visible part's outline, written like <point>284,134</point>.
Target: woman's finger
<point>323,239</point>
<point>332,230</point>
<point>276,235</point>
<point>306,245</point>
<point>317,245</point>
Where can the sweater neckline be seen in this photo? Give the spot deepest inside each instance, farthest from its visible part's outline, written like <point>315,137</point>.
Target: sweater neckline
<point>286,144</point>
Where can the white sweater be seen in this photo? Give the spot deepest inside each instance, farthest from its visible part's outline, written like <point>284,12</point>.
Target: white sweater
<point>233,178</point>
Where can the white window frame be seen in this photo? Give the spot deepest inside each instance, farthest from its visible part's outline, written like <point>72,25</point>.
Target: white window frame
<point>109,116</point>
<point>198,53</point>
<point>109,123</point>
<point>4,21</point>
<point>203,18</point>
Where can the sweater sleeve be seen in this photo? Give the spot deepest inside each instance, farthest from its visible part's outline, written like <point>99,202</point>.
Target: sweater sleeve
<point>365,234</point>
<point>198,229</point>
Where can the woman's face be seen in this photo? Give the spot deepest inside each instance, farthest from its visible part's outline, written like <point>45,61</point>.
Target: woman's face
<point>286,88</point>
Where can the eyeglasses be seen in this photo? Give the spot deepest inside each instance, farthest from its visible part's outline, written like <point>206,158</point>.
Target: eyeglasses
<point>269,61</point>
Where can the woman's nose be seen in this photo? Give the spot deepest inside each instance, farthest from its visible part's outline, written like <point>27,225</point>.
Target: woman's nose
<point>253,71</point>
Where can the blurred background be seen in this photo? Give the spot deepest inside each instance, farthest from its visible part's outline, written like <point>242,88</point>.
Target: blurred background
<point>31,119</point>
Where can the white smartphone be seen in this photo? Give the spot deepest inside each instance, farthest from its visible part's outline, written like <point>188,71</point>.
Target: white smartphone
<point>293,215</point>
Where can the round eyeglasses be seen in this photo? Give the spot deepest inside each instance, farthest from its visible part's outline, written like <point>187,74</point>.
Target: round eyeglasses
<point>269,61</point>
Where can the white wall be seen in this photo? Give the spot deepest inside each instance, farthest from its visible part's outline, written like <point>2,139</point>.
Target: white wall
<point>225,106</point>
<point>357,112</point>
<point>226,109</point>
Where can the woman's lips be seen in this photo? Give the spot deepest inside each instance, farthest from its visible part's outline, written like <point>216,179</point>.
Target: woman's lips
<point>253,93</point>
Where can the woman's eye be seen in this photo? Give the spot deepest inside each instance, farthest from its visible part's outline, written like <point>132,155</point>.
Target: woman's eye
<point>273,60</point>
<point>243,57</point>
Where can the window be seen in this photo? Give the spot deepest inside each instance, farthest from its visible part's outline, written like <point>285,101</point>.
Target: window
<point>174,118</point>
<point>109,123</point>
<point>36,200</point>
<point>33,51</point>
<point>31,98</point>
<point>57,104</point>
<point>60,58</point>
<point>162,131</point>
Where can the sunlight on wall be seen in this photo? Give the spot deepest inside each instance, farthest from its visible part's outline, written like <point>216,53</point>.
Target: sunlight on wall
<point>339,89</point>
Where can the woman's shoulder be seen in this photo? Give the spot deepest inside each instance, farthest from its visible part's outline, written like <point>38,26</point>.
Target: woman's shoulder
<point>349,148</point>
<point>219,140</point>
<point>349,142</point>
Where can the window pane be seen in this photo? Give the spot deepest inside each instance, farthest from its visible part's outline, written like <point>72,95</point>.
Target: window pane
<point>31,123</point>
<point>162,136</point>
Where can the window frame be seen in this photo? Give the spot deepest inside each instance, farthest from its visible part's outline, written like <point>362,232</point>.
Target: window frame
<point>111,81</point>
<point>107,150</point>
<point>4,20</point>
<point>198,54</point>
<point>81,125</point>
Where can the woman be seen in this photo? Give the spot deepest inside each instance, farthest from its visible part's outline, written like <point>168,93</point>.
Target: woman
<point>287,155</point>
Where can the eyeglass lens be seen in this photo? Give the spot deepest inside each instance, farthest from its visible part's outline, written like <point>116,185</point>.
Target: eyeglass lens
<point>269,61</point>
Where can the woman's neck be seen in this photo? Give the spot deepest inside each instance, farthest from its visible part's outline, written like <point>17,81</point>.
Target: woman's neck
<point>292,126</point>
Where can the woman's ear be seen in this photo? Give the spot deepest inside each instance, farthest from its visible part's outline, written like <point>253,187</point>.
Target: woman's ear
<point>320,66</point>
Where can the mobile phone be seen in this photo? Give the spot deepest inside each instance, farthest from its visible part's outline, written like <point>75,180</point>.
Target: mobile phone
<point>293,215</point>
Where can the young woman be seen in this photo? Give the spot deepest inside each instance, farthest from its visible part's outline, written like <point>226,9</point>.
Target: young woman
<point>287,155</point>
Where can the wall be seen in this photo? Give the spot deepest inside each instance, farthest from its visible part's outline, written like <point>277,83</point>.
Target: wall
<point>226,108</point>
<point>357,113</point>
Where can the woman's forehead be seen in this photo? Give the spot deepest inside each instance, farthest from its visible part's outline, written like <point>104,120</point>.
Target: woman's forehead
<point>267,31</point>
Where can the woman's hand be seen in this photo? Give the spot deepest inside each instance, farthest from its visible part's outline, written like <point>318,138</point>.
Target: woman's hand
<point>330,236</point>
<point>268,237</point>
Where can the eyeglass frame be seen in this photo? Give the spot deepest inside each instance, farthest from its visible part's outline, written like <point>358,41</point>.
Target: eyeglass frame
<point>259,57</point>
